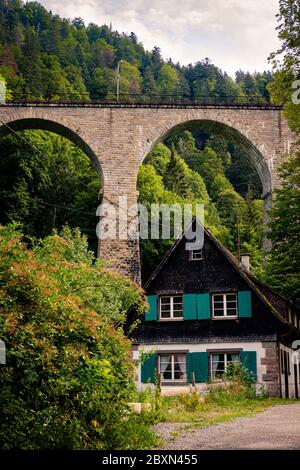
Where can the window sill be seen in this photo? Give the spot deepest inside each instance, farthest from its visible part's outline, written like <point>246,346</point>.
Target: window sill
<point>225,318</point>
<point>175,382</point>
<point>170,319</point>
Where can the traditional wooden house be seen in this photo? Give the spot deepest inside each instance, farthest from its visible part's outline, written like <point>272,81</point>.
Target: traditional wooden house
<point>206,310</point>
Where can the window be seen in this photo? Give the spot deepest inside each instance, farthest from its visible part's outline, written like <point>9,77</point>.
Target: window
<point>171,307</point>
<point>219,363</point>
<point>172,367</point>
<point>224,305</point>
<point>196,255</point>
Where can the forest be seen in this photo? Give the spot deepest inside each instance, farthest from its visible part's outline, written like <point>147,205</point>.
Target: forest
<point>43,56</point>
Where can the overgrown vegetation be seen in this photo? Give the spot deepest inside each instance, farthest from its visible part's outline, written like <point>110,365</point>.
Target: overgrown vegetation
<point>236,396</point>
<point>68,376</point>
<point>47,182</point>
<point>221,404</point>
<point>282,270</point>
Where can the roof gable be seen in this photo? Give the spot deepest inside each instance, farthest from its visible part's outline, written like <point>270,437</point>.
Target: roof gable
<point>265,294</point>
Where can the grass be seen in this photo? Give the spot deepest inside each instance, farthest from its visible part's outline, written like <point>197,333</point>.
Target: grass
<point>215,409</point>
<point>217,406</point>
<point>196,411</point>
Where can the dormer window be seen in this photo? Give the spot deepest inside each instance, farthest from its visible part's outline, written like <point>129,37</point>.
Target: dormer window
<point>196,255</point>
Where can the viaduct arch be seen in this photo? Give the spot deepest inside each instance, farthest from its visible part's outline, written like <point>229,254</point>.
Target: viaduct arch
<point>118,138</point>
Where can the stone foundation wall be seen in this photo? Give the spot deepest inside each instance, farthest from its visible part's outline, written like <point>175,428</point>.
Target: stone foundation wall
<point>271,378</point>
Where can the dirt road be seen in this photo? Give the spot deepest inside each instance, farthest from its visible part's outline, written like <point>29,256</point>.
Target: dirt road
<point>276,428</point>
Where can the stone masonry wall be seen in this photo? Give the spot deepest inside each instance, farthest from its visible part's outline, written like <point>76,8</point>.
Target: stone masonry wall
<point>271,361</point>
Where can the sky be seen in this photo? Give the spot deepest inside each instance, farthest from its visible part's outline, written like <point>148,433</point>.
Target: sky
<point>233,34</point>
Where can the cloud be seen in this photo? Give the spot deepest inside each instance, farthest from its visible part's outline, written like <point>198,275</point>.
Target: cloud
<point>234,34</point>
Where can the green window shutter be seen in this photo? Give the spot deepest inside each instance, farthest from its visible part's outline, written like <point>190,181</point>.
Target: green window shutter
<point>244,304</point>
<point>248,359</point>
<point>151,314</point>
<point>197,362</point>
<point>203,306</point>
<point>148,368</point>
<point>190,306</point>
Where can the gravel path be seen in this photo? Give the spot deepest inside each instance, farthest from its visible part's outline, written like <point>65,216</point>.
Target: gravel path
<point>276,428</point>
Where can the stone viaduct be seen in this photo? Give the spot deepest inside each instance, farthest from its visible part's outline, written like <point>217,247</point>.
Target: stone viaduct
<point>117,138</point>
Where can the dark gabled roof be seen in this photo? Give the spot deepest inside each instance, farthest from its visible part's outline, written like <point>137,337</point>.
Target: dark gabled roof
<point>268,296</point>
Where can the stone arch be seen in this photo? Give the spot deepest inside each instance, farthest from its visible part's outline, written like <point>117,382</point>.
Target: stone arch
<point>259,154</point>
<point>41,121</point>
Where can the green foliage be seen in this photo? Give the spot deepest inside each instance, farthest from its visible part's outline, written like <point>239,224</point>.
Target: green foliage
<point>44,56</point>
<point>282,270</point>
<point>286,61</point>
<point>47,183</point>
<point>175,175</point>
<point>191,401</point>
<point>68,376</point>
<point>168,80</point>
<point>237,372</point>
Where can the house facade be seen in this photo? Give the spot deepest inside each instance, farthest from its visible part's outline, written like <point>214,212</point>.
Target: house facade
<point>205,311</point>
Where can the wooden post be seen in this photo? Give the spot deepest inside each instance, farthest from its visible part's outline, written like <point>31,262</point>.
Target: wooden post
<point>159,381</point>
<point>193,379</point>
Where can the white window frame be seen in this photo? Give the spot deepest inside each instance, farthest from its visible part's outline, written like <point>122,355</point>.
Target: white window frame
<point>225,315</point>
<point>225,361</point>
<point>172,354</point>
<point>196,255</point>
<point>171,317</point>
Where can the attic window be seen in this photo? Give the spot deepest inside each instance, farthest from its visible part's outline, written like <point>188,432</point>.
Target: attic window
<point>196,255</point>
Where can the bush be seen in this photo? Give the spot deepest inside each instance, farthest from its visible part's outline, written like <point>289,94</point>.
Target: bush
<point>241,379</point>
<point>68,376</point>
<point>237,372</point>
<point>191,401</point>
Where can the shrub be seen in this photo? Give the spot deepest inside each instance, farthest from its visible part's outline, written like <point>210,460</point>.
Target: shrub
<point>236,371</point>
<point>191,401</point>
<point>242,380</point>
<point>68,376</point>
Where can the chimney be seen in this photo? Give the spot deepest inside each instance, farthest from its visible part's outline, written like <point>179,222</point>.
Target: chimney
<point>245,261</point>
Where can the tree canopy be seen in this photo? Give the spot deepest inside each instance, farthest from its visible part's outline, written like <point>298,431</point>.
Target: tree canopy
<point>44,56</point>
